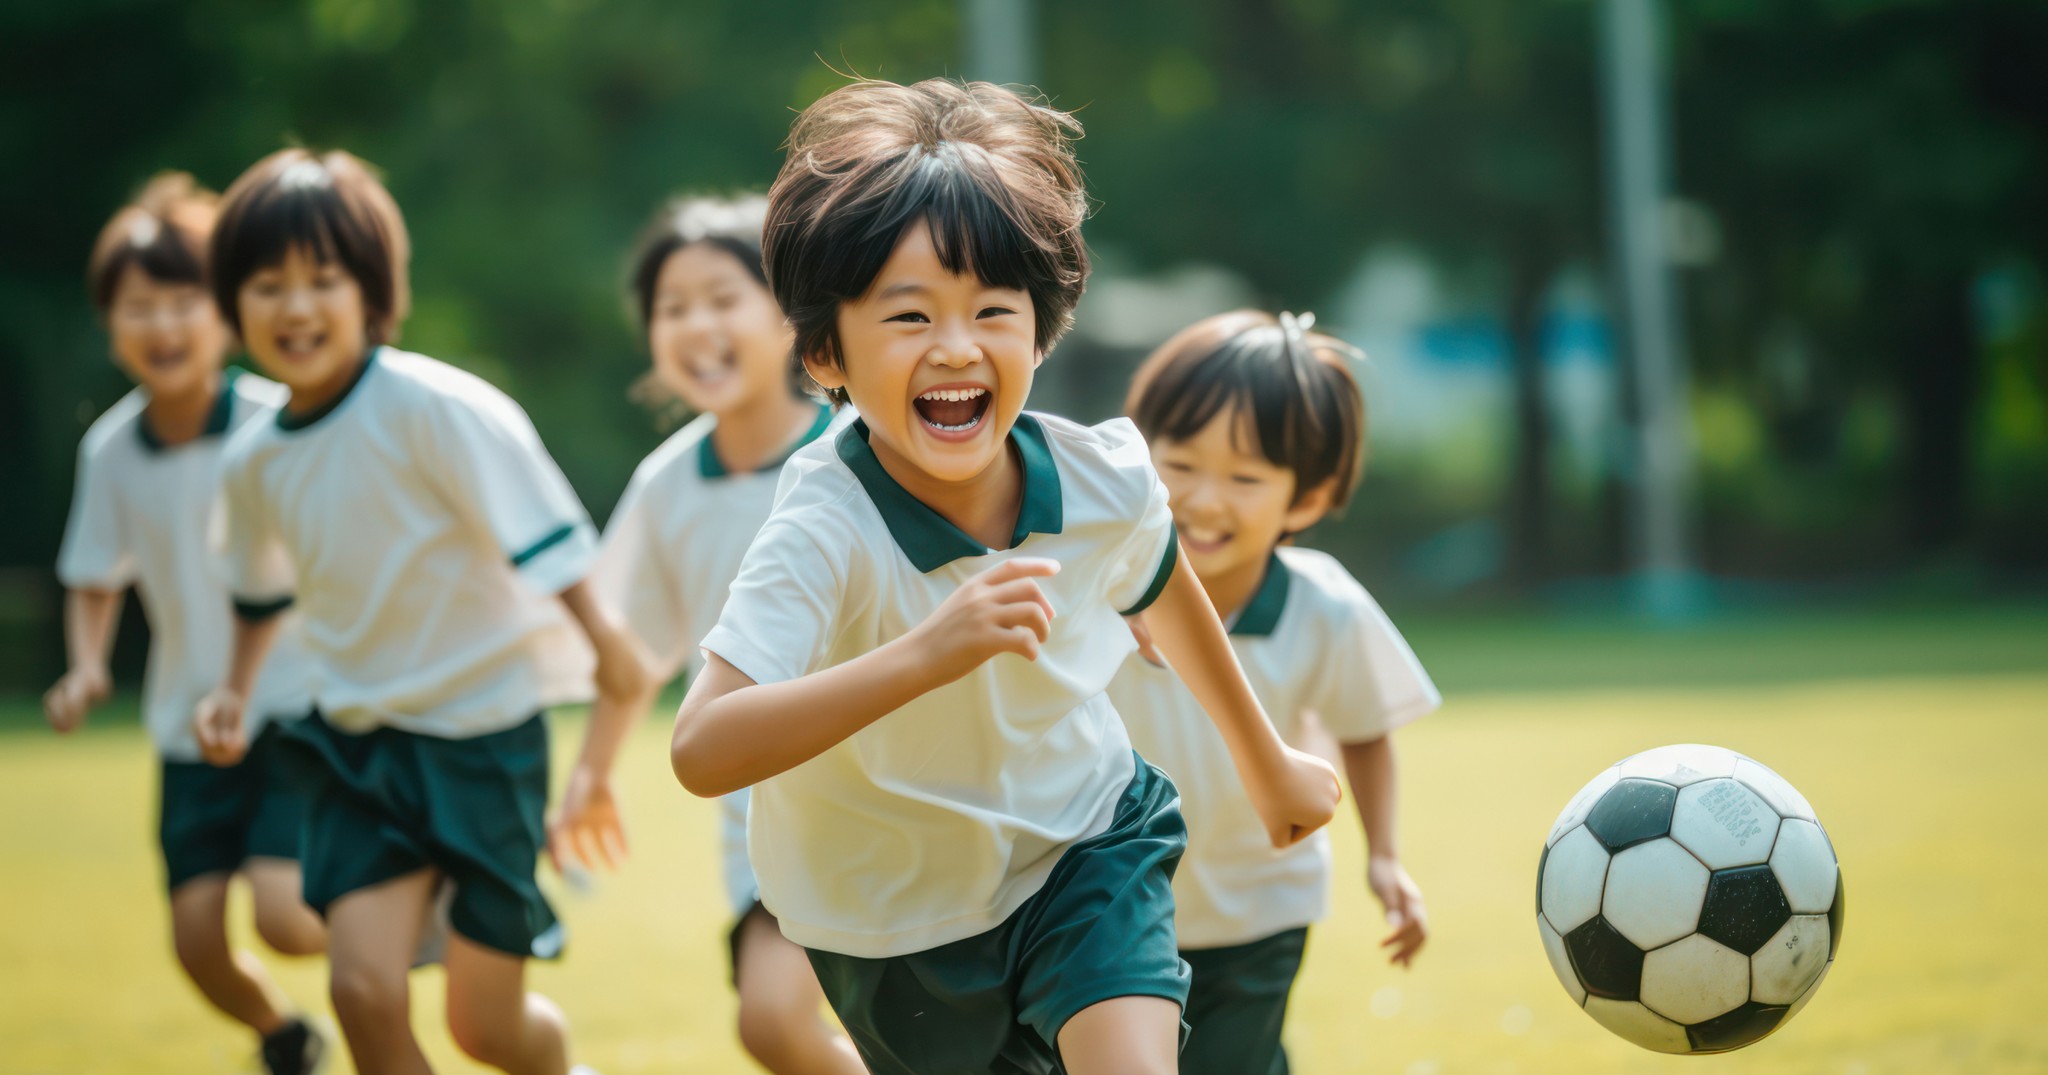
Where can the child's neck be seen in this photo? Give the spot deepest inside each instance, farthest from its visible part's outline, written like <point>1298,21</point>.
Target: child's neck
<point>175,419</point>
<point>760,431</point>
<point>984,507</point>
<point>1230,591</point>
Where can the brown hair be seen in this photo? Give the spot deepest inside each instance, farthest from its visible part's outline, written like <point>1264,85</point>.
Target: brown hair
<point>333,206</point>
<point>1293,389</point>
<point>163,232</point>
<point>991,173</point>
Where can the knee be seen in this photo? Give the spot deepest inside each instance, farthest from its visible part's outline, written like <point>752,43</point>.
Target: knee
<point>481,1040</point>
<point>772,1028</point>
<point>290,928</point>
<point>364,996</point>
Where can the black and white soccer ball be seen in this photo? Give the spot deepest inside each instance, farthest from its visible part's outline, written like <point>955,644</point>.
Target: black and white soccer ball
<point>1689,900</point>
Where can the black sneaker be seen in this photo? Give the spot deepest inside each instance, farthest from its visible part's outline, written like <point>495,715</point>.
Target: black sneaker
<point>295,1048</point>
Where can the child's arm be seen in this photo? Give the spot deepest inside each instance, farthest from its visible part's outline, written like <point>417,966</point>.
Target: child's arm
<point>89,619</point>
<point>1295,793</point>
<point>217,723</point>
<point>1370,767</point>
<point>589,824</point>
<point>733,733</point>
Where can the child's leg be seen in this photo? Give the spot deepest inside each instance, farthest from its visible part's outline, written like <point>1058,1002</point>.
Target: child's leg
<point>282,918</point>
<point>1237,1005</point>
<point>781,1024</point>
<point>1123,1036</point>
<point>235,982</point>
<point>372,933</point>
<point>495,1020</point>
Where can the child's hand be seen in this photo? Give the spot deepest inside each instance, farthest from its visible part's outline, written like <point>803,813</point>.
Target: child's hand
<point>1396,892</point>
<point>589,826</point>
<point>1143,636</point>
<point>217,724</point>
<point>66,704</point>
<point>1298,797</point>
<point>1000,610</point>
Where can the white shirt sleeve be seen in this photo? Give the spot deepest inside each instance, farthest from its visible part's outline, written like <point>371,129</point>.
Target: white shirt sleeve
<point>95,554</point>
<point>488,460</point>
<point>777,621</point>
<point>257,566</point>
<point>1368,681</point>
<point>1150,552</point>
<point>634,581</point>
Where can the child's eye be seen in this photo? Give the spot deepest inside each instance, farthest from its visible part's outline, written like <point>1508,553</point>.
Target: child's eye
<point>1177,468</point>
<point>996,311</point>
<point>1247,479</point>
<point>911,317</point>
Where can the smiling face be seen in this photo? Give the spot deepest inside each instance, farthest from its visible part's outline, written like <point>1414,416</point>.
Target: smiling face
<point>938,364</point>
<point>719,341</point>
<point>1231,504</point>
<point>166,335</point>
<point>303,321</point>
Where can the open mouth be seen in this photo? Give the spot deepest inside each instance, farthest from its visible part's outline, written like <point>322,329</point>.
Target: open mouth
<point>711,370</point>
<point>167,360</point>
<point>301,344</point>
<point>1203,540</point>
<point>953,410</point>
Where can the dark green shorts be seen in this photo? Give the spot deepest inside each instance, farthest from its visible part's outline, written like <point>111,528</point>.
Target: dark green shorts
<point>1238,1003</point>
<point>1102,927</point>
<point>212,818</point>
<point>389,802</point>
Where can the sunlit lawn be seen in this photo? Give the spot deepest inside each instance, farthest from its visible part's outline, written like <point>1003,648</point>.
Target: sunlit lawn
<point>1928,783</point>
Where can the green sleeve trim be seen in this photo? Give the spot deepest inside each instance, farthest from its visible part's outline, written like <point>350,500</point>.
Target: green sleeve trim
<point>560,534</point>
<point>1159,577</point>
<point>258,611</point>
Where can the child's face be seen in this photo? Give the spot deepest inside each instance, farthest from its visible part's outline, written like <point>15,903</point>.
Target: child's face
<point>303,321</point>
<point>1230,503</point>
<point>938,365</point>
<point>167,336</point>
<point>719,341</point>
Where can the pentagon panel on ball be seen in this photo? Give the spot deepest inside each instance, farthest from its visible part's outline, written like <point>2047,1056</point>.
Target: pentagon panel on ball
<point>1689,900</point>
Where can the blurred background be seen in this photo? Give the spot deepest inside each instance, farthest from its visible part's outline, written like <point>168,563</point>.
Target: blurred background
<point>1709,390</point>
<point>1832,382</point>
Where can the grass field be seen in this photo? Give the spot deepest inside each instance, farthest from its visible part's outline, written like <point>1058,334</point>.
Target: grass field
<point>1919,740</point>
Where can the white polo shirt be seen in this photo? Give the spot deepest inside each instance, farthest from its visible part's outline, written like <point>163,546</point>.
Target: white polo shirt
<point>1311,641</point>
<point>141,514</point>
<point>670,552</point>
<point>424,533</point>
<point>937,821</point>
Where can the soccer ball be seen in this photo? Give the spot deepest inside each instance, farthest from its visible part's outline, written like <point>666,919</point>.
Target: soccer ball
<point>1689,900</point>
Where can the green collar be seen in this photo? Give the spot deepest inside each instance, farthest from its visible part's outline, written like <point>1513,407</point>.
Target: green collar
<point>710,466</point>
<point>925,536</point>
<point>292,423</point>
<point>1262,613</point>
<point>217,419</point>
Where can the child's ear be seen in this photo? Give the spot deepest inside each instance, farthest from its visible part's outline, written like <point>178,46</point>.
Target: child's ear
<point>1310,506</point>
<point>826,372</point>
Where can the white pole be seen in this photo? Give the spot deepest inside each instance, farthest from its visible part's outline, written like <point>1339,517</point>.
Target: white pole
<point>1637,146</point>
<point>1001,46</point>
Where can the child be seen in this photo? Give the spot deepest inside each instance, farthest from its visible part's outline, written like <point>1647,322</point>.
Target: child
<point>911,662</point>
<point>147,487</point>
<point>721,346</point>
<point>1256,426</point>
<point>411,513</point>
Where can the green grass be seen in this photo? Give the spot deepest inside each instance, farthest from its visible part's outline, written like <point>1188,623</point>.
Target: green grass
<point>1928,784</point>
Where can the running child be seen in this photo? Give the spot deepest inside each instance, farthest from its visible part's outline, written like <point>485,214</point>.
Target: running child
<point>436,556</point>
<point>910,665</point>
<point>148,485</point>
<point>1256,427</point>
<point>720,346</point>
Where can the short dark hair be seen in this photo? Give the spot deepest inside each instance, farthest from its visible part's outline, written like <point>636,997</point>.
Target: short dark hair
<point>332,205</point>
<point>991,173</point>
<point>1293,387</point>
<point>163,232</point>
<point>731,224</point>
